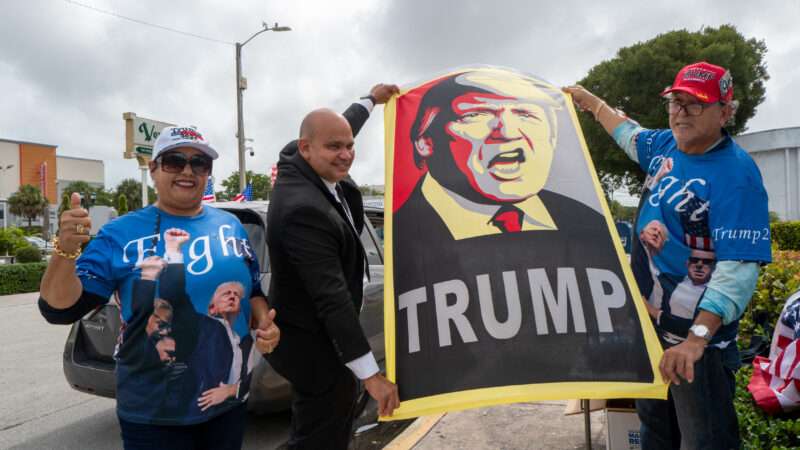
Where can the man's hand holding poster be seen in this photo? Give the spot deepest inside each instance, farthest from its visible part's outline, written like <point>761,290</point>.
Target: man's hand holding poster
<point>504,283</point>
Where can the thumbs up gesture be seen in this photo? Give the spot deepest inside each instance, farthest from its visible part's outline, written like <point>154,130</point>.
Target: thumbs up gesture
<point>73,226</point>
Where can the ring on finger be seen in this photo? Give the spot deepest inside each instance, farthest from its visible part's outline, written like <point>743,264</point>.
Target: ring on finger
<point>79,228</point>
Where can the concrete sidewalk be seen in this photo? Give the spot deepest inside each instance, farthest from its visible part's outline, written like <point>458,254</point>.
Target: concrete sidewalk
<point>540,425</point>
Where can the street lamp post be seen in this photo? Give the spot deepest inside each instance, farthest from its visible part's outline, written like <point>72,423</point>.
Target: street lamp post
<point>241,85</point>
<point>5,202</point>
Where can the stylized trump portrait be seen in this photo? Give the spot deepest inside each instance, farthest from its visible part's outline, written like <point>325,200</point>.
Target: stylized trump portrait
<point>502,272</point>
<point>487,143</point>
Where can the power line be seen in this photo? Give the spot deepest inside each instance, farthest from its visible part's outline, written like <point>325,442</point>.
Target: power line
<point>141,22</point>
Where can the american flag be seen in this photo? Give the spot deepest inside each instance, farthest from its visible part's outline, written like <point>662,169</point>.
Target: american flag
<point>208,194</point>
<point>273,175</point>
<point>694,220</point>
<point>775,383</point>
<point>245,196</point>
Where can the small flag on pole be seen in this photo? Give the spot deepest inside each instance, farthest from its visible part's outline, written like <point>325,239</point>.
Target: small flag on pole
<point>273,174</point>
<point>208,194</point>
<point>245,196</point>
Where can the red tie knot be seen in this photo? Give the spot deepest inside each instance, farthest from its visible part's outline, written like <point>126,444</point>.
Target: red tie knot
<point>508,219</point>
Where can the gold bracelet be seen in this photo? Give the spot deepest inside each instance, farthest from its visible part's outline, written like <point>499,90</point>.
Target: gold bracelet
<point>57,250</point>
<point>597,109</point>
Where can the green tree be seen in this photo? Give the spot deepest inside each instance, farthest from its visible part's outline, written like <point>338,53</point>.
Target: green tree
<point>90,195</point>
<point>366,190</point>
<point>66,200</point>
<point>621,212</point>
<point>27,202</point>
<point>632,80</point>
<point>122,205</point>
<point>104,197</point>
<point>66,203</point>
<point>11,239</point>
<point>84,189</point>
<point>261,185</point>
<point>132,189</point>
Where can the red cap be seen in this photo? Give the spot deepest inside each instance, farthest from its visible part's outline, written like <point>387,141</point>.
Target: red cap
<point>706,82</point>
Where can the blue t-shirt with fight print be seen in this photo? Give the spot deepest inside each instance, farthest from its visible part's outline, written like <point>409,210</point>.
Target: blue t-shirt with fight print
<point>185,333</point>
<point>695,210</point>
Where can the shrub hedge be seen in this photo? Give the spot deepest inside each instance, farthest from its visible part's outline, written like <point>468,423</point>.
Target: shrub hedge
<point>29,254</point>
<point>19,278</point>
<point>776,281</point>
<point>33,230</point>
<point>757,429</point>
<point>786,235</point>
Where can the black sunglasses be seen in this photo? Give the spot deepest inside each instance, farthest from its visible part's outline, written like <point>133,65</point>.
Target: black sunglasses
<point>175,162</point>
<point>706,261</point>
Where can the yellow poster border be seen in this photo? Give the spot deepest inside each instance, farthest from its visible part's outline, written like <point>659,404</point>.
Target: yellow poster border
<point>500,395</point>
<point>654,350</point>
<point>476,398</point>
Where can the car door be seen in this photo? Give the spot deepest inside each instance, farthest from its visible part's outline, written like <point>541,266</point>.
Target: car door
<point>372,309</point>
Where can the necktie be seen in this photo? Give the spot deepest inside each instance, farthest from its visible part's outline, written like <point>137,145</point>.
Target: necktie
<point>346,208</point>
<point>508,219</point>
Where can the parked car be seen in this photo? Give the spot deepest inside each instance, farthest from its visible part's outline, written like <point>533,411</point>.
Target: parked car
<point>88,358</point>
<point>40,243</point>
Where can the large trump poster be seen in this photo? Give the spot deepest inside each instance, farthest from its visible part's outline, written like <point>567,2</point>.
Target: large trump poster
<point>504,280</point>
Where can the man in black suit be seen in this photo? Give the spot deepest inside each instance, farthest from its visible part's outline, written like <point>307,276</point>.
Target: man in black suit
<point>481,219</point>
<point>318,268</point>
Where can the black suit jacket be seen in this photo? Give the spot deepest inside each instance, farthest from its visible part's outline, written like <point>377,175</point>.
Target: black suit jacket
<point>317,266</point>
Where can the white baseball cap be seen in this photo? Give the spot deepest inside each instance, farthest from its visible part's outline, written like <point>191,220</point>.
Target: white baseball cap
<point>174,137</point>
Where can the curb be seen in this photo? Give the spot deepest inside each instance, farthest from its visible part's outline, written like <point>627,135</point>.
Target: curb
<point>414,433</point>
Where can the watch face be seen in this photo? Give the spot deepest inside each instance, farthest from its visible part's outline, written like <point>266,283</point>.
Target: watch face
<point>700,331</point>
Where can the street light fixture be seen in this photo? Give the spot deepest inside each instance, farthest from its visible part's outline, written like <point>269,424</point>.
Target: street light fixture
<point>241,85</point>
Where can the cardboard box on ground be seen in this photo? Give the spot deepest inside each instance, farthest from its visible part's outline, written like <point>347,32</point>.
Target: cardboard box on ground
<point>622,423</point>
<point>622,429</point>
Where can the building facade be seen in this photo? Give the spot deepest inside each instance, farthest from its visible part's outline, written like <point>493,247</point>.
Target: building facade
<point>777,154</point>
<point>71,169</point>
<point>38,164</point>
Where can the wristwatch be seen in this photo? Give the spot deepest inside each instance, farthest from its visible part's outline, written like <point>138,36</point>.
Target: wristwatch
<point>701,331</point>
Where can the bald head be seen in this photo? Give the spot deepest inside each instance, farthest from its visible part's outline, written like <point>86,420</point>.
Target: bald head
<point>326,143</point>
<point>319,118</point>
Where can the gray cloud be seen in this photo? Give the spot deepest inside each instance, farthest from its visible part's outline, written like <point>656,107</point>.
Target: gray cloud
<point>69,73</point>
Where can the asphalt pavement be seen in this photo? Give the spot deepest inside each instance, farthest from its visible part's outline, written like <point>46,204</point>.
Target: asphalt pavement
<point>528,426</point>
<point>40,410</point>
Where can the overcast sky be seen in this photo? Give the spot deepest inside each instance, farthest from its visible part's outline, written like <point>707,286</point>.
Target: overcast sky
<point>67,73</point>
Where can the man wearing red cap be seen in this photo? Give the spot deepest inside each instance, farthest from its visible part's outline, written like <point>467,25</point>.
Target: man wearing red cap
<point>704,192</point>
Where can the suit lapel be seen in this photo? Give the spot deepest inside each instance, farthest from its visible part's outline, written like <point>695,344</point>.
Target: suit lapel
<point>350,193</point>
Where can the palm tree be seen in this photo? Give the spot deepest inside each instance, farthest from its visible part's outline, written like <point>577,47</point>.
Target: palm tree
<point>27,202</point>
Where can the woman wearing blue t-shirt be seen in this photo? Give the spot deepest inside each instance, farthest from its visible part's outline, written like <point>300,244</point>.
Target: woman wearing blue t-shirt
<point>171,352</point>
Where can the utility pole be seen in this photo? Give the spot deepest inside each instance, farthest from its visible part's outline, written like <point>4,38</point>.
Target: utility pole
<point>241,85</point>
